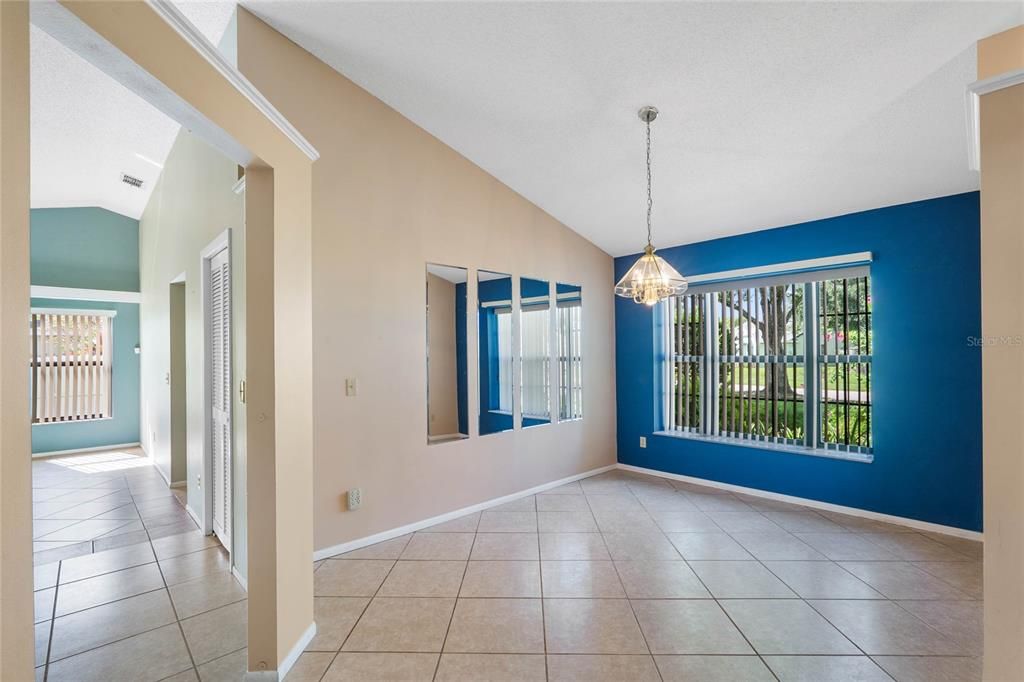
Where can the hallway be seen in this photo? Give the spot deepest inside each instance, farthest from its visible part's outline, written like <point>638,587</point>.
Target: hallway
<point>126,587</point>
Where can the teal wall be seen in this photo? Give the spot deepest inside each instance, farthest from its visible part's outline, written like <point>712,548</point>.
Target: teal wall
<point>92,248</point>
<point>123,426</point>
<point>84,248</point>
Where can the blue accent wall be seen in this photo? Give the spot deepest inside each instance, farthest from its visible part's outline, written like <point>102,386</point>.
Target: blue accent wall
<point>487,335</point>
<point>84,248</point>
<point>461,359</point>
<point>92,248</point>
<point>926,375</point>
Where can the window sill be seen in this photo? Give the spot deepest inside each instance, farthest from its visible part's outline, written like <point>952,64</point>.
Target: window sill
<point>862,457</point>
<point>74,421</point>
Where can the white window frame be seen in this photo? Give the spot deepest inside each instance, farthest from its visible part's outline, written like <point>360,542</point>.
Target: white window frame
<point>812,443</point>
<point>104,378</point>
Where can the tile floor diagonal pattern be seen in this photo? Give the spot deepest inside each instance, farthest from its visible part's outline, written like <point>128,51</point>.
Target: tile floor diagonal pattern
<point>623,576</point>
<point>618,576</point>
<point>134,591</point>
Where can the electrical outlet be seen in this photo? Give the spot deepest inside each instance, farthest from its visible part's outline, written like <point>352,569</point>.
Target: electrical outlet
<point>643,441</point>
<point>355,499</point>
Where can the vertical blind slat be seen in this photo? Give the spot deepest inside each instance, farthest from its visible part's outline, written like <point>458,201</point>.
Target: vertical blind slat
<point>70,367</point>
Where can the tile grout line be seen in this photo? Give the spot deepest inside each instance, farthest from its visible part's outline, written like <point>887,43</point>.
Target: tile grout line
<point>174,609</point>
<point>363,612</point>
<point>458,593</point>
<point>619,576</point>
<point>53,621</point>
<point>540,576</point>
<point>712,594</point>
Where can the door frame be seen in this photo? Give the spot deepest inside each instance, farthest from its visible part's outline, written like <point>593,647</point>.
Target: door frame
<point>219,243</point>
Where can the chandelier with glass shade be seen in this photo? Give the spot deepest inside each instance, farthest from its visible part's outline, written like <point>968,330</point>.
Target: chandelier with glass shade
<point>651,279</point>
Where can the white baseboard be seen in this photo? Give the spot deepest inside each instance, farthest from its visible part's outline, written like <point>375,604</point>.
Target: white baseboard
<point>814,504</point>
<point>163,474</point>
<point>195,517</point>
<point>286,665</point>
<point>240,578</point>
<point>412,527</point>
<point>76,451</point>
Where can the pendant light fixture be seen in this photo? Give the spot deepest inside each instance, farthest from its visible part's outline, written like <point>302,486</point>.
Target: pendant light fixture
<point>651,279</point>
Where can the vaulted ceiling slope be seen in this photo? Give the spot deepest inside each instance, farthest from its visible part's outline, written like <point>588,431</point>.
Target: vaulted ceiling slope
<point>87,129</point>
<point>772,113</point>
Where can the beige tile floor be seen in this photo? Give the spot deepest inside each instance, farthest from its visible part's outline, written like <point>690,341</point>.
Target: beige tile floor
<point>146,597</point>
<point>628,577</point>
<point>617,577</point>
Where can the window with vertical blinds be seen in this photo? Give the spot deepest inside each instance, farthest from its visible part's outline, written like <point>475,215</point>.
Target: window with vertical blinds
<point>570,359</point>
<point>504,318</point>
<point>536,361</point>
<point>781,360</point>
<point>70,367</point>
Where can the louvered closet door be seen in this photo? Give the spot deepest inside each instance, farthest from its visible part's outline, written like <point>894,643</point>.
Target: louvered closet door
<point>220,393</point>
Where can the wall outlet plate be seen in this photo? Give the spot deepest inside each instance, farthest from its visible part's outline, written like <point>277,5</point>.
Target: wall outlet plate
<point>643,441</point>
<point>355,498</point>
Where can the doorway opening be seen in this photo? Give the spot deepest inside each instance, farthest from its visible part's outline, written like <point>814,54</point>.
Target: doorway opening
<point>177,379</point>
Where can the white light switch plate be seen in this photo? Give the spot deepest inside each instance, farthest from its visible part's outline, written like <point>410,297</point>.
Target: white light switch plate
<point>643,441</point>
<point>351,387</point>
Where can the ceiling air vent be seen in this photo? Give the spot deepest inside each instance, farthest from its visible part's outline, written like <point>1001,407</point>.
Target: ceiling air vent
<point>131,180</point>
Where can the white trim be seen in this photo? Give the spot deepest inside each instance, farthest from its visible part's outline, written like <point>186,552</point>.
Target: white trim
<point>792,448</point>
<point>285,666</point>
<point>98,448</point>
<point>239,187</point>
<point>197,41</point>
<point>240,578</point>
<point>778,268</point>
<point>814,504</point>
<point>446,438</point>
<point>974,92</point>
<point>261,676</point>
<point>195,517</point>
<point>75,294</point>
<point>167,479</point>
<point>434,520</point>
<point>73,311</point>
<point>180,279</point>
<point>218,244</point>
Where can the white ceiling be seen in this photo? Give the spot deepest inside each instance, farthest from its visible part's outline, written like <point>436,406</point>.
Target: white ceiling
<point>772,113</point>
<point>87,129</point>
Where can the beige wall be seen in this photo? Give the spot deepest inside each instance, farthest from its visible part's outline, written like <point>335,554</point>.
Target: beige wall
<point>443,408</point>
<point>1001,52</point>
<point>1002,292</point>
<point>278,221</point>
<point>192,204</point>
<point>16,633</point>
<point>387,199</point>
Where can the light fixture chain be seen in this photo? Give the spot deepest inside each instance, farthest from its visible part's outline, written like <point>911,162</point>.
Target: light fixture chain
<point>650,200</point>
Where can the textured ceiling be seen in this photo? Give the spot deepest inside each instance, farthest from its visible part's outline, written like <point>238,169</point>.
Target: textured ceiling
<point>772,113</point>
<point>87,129</point>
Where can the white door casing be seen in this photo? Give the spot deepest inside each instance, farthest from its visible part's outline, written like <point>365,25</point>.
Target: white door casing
<point>218,496</point>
